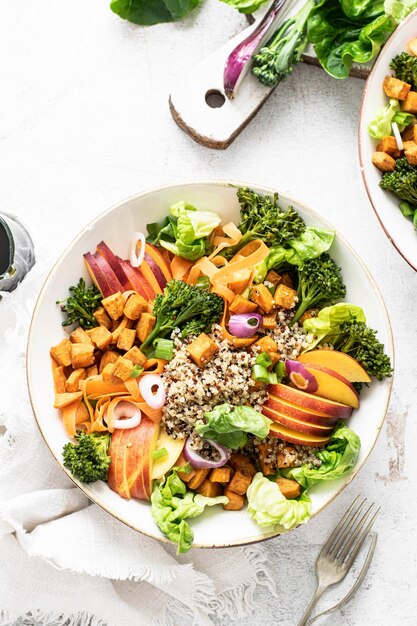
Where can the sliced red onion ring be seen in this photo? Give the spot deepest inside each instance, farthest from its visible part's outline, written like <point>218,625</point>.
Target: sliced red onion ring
<point>130,413</point>
<point>397,136</point>
<point>155,398</point>
<point>245,324</point>
<point>135,258</point>
<point>301,377</point>
<point>198,462</point>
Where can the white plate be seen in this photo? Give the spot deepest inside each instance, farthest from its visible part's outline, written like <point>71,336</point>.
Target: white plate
<point>216,527</point>
<point>399,230</point>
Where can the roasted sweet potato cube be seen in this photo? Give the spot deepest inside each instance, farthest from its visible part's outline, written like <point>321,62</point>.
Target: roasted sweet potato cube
<point>308,315</point>
<point>242,305</point>
<point>64,399</point>
<point>145,325</point>
<point>289,488</point>
<point>287,457</point>
<point>124,323</point>
<point>209,489</point>
<point>102,318</point>
<point>395,88</point>
<point>108,373</point>
<point>126,339</point>
<point>59,379</point>
<point>221,474</point>
<point>135,305</point>
<point>61,353</point>
<point>114,305</point>
<point>123,368</point>
<point>74,378</point>
<point>410,103</point>
<point>266,465</point>
<point>389,145</point>
<point>197,479</point>
<point>101,337</point>
<point>187,477</point>
<point>262,297</point>
<point>412,47</point>
<point>266,344</point>
<point>236,501</point>
<point>285,297</point>
<point>383,161</point>
<point>81,414</point>
<point>239,460</point>
<point>414,127</point>
<point>79,336</point>
<point>270,321</point>
<point>136,356</point>
<point>240,481</point>
<point>273,277</point>
<point>202,349</point>
<point>91,371</point>
<point>411,155</point>
<point>409,144</point>
<point>286,280</point>
<point>108,357</point>
<point>275,357</point>
<point>82,355</point>
<point>408,133</point>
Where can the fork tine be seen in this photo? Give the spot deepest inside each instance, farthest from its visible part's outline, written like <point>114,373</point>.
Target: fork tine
<point>344,548</point>
<point>357,537</point>
<point>325,549</point>
<point>343,534</point>
<point>356,547</point>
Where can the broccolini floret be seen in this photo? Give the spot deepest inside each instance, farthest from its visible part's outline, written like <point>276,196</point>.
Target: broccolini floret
<point>405,68</point>
<point>319,283</point>
<point>402,181</point>
<point>190,308</point>
<point>81,304</point>
<point>274,61</point>
<point>361,343</point>
<point>88,459</point>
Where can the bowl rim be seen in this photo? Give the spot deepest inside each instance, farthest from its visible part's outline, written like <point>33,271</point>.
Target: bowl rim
<point>361,127</point>
<point>96,499</point>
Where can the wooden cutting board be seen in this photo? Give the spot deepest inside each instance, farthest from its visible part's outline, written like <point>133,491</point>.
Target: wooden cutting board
<point>199,106</point>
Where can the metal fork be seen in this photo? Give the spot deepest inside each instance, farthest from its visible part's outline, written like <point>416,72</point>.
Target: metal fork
<point>340,550</point>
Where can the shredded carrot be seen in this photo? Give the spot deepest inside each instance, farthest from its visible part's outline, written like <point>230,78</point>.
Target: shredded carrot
<point>237,342</point>
<point>180,267</point>
<point>155,366</point>
<point>69,417</point>
<point>224,292</point>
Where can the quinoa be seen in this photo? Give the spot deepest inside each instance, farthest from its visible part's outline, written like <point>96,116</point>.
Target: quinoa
<point>295,455</point>
<point>290,340</point>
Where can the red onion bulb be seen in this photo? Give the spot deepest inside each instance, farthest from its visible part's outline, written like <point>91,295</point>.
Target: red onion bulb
<point>152,389</point>
<point>245,324</point>
<point>125,415</point>
<point>198,462</point>
<point>301,377</point>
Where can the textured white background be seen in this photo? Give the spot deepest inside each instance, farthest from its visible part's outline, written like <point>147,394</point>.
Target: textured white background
<point>84,122</point>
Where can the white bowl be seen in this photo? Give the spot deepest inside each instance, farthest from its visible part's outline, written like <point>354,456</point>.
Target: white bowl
<point>399,230</point>
<point>215,528</point>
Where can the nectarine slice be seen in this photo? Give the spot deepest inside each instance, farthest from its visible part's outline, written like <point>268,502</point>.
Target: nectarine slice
<point>337,361</point>
<point>292,436</point>
<point>310,401</point>
<point>297,424</point>
<point>334,386</point>
<point>174,447</point>
<point>298,412</point>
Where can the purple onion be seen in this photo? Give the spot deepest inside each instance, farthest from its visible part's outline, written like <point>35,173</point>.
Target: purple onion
<point>245,324</point>
<point>301,377</point>
<point>237,63</point>
<point>198,462</point>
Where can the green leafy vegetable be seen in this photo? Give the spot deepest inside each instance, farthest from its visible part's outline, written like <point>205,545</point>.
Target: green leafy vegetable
<point>399,9</point>
<point>325,328</point>
<point>274,61</point>
<point>245,6</point>
<point>402,181</point>
<point>172,505</point>
<point>149,12</point>
<point>347,31</point>
<point>309,245</point>
<point>229,424</point>
<point>338,458</point>
<point>191,309</point>
<point>403,120</point>
<point>319,281</point>
<point>88,459</point>
<point>262,218</point>
<point>361,343</point>
<point>405,68</point>
<point>164,349</point>
<point>268,507</point>
<point>185,231</point>
<point>381,124</point>
<point>136,371</point>
<point>81,304</point>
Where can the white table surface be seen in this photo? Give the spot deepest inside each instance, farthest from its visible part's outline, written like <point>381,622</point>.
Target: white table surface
<point>84,122</point>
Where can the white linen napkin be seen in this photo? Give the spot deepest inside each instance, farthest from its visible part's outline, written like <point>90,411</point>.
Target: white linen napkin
<point>68,562</point>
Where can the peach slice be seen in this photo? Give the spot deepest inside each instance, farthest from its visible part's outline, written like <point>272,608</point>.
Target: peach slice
<point>310,401</point>
<point>174,447</point>
<point>296,424</point>
<point>97,276</point>
<point>333,386</point>
<point>301,439</point>
<point>303,413</point>
<point>111,259</point>
<point>136,280</point>
<point>337,361</point>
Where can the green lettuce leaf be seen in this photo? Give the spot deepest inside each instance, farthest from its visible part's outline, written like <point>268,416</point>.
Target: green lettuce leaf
<point>245,6</point>
<point>150,12</point>
<point>399,9</point>
<point>228,425</point>
<point>338,459</point>
<point>172,505</point>
<point>268,507</point>
<point>403,120</point>
<point>326,326</point>
<point>381,124</point>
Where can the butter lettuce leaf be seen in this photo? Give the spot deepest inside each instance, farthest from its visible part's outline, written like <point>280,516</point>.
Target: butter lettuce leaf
<point>268,507</point>
<point>245,6</point>
<point>172,504</point>
<point>338,459</point>
<point>326,326</point>
<point>229,424</point>
<point>150,12</point>
<point>399,9</point>
<point>380,126</point>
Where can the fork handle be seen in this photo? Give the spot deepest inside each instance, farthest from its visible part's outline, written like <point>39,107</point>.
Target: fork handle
<point>316,597</point>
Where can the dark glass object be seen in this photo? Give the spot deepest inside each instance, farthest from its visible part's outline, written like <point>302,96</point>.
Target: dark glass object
<point>17,255</point>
